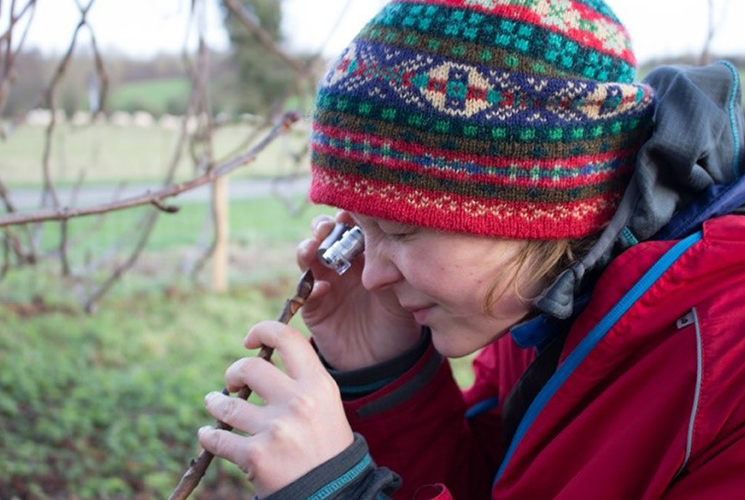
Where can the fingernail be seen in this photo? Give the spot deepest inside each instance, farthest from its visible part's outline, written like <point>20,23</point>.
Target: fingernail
<point>204,429</point>
<point>210,397</point>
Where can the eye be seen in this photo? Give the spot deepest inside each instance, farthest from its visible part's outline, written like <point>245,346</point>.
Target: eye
<point>397,231</point>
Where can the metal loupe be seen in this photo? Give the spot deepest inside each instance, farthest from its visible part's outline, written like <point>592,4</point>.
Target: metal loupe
<point>340,247</point>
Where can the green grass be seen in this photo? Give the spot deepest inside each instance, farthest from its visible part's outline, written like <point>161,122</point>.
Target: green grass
<point>263,236</point>
<point>111,154</point>
<point>152,95</point>
<point>108,406</point>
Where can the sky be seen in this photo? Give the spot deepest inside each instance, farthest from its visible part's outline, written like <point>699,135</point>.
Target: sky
<point>142,28</point>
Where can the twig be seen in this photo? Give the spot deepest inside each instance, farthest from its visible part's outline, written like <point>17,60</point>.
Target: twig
<point>253,25</point>
<point>90,304</point>
<point>103,76</point>
<point>250,139</point>
<point>5,197</point>
<point>6,257</point>
<point>77,242</point>
<point>712,27</point>
<point>205,257</point>
<point>14,20</point>
<point>206,137</point>
<point>64,261</point>
<point>151,218</point>
<point>198,467</point>
<point>200,77</point>
<point>17,247</point>
<point>148,198</point>
<point>49,97</point>
<point>169,209</point>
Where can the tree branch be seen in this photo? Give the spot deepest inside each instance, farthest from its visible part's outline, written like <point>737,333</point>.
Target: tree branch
<point>14,20</point>
<point>49,97</point>
<point>6,257</point>
<point>252,24</point>
<point>103,75</point>
<point>148,197</point>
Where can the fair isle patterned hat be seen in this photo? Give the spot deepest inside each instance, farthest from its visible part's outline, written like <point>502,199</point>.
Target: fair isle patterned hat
<point>507,118</point>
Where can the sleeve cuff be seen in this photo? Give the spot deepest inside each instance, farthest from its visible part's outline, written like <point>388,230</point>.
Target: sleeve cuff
<point>359,383</point>
<point>351,474</point>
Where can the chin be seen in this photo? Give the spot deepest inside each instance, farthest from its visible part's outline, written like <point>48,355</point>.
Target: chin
<point>456,344</point>
<point>450,347</point>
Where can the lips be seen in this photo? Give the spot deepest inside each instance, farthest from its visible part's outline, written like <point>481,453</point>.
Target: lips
<point>420,312</point>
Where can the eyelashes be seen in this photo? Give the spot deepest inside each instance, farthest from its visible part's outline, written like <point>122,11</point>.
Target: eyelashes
<point>384,228</point>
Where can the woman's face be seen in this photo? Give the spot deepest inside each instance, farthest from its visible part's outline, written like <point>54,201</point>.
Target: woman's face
<point>442,278</point>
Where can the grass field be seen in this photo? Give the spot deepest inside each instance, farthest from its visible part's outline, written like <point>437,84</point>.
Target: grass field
<point>263,235</point>
<point>112,154</point>
<point>154,95</point>
<point>107,407</point>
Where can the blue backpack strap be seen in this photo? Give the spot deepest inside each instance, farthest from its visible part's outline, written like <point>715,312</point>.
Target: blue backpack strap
<point>715,201</point>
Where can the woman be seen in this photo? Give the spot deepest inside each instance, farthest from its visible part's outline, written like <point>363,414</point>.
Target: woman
<point>483,146</point>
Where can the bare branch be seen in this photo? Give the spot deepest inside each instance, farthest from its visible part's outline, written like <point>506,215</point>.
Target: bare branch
<point>15,245</point>
<point>103,75</point>
<point>6,257</point>
<point>148,198</point>
<point>169,209</point>
<point>90,304</point>
<point>49,97</point>
<point>28,25</point>
<point>91,230</point>
<point>5,197</point>
<point>64,261</point>
<point>15,18</point>
<point>252,24</point>
<point>152,218</point>
<point>712,28</point>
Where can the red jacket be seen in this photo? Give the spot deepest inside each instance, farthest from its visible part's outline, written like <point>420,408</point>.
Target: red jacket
<point>648,401</point>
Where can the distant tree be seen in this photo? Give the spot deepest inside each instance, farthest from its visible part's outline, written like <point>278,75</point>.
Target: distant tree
<point>261,77</point>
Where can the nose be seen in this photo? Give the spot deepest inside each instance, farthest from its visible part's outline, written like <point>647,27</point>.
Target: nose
<point>380,270</point>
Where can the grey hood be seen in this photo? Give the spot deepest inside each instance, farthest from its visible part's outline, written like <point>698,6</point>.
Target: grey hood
<point>697,145</point>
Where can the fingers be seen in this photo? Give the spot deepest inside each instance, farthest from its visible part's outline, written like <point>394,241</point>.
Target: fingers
<point>297,354</point>
<point>307,249</point>
<point>321,226</point>
<point>306,253</point>
<point>235,412</point>
<point>227,445</point>
<point>345,217</point>
<point>260,376</point>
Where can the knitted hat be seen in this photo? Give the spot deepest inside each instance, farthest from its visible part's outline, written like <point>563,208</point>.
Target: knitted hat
<point>508,118</point>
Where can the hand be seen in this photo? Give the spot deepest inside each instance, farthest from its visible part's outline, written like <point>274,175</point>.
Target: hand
<point>302,425</point>
<point>351,326</point>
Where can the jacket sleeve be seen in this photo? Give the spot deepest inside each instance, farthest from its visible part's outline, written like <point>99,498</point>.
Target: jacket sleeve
<point>351,475</point>
<point>443,442</point>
